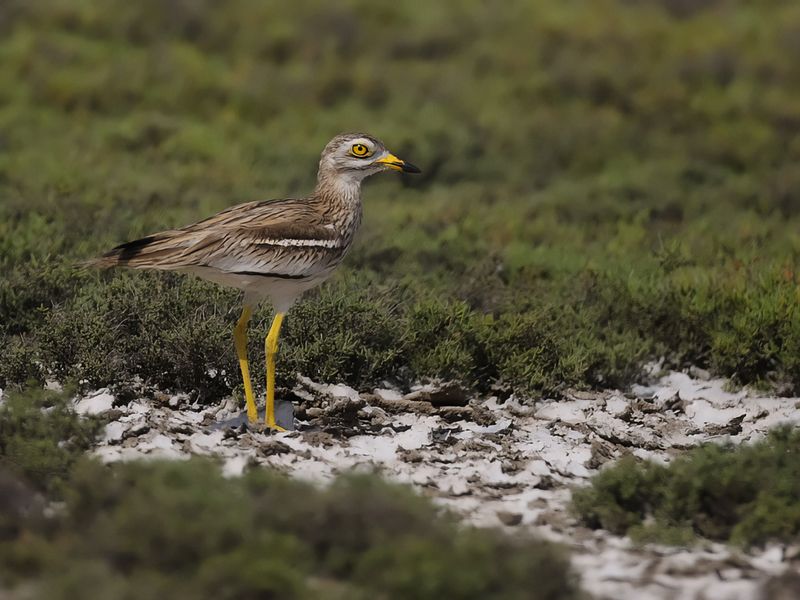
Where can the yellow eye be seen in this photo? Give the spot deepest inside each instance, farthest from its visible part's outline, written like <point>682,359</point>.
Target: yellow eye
<point>359,150</point>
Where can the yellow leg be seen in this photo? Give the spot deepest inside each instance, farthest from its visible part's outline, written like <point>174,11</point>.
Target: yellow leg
<point>271,349</point>
<point>240,340</point>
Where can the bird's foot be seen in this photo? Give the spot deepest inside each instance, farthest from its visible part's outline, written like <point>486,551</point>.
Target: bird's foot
<point>274,427</point>
<point>262,427</point>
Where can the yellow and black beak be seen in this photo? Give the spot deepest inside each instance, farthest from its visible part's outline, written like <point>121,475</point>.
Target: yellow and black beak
<point>391,161</point>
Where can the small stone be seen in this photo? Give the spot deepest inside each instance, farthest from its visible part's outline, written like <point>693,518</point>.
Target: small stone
<point>675,403</point>
<point>502,390</point>
<point>546,482</point>
<point>452,414</point>
<point>114,431</point>
<point>444,435</point>
<point>482,415</point>
<point>759,415</point>
<point>319,438</point>
<point>273,447</point>
<point>512,466</point>
<point>699,373</point>
<point>646,407</point>
<point>393,405</point>
<point>95,405</point>
<point>411,456</point>
<point>509,519</point>
<point>732,427</point>
<point>617,406</point>
<point>181,429</point>
<point>460,488</point>
<point>388,395</point>
<point>139,428</point>
<point>447,394</point>
<point>601,453</point>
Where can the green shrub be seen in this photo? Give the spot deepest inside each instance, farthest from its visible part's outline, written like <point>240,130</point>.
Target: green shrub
<point>579,213</point>
<point>41,437</point>
<point>175,332</point>
<point>747,495</point>
<point>181,530</point>
<point>349,332</point>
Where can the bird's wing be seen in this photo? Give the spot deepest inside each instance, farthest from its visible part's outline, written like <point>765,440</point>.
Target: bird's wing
<point>286,239</point>
<point>283,238</point>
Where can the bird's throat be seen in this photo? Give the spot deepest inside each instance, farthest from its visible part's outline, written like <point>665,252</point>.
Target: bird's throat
<point>342,189</point>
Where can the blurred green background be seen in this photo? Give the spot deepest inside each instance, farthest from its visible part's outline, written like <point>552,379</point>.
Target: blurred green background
<point>604,184</point>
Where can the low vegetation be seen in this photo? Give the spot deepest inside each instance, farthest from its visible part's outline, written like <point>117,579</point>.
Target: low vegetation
<point>181,530</point>
<point>41,437</point>
<point>580,212</point>
<point>748,495</point>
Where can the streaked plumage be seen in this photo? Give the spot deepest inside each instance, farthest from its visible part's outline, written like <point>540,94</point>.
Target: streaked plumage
<point>274,249</point>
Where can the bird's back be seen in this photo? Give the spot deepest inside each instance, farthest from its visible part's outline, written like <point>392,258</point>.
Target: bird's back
<point>283,238</point>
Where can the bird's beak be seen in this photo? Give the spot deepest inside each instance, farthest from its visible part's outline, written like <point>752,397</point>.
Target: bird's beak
<point>391,161</point>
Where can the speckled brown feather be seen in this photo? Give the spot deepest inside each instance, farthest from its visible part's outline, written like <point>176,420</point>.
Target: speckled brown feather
<point>260,244</point>
<point>252,233</point>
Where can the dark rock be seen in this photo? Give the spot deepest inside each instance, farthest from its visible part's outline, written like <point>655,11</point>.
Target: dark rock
<point>546,482</point>
<point>444,435</point>
<point>644,406</point>
<point>676,404</point>
<point>508,518</point>
<point>511,466</point>
<point>410,456</point>
<point>602,452</point>
<point>447,394</point>
<point>482,415</point>
<point>273,447</point>
<point>112,415</point>
<point>319,438</point>
<point>342,414</point>
<point>401,405</point>
<point>732,427</point>
<point>502,390</point>
<point>452,414</point>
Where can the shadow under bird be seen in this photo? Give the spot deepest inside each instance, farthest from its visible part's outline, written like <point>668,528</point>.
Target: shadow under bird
<point>272,249</point>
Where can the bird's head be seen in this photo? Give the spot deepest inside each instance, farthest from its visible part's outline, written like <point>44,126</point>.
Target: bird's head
<point>354,156</point>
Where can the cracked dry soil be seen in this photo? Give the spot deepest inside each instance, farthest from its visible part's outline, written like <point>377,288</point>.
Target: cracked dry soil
<point>496,462</point>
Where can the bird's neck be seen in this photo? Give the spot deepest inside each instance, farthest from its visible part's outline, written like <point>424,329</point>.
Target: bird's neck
<point>341,197</point>
<point>343,190</point>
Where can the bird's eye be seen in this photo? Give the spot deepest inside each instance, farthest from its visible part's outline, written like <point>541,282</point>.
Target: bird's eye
<point>359,150</point>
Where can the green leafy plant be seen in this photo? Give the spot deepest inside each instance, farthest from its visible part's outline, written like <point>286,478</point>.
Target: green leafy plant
<point>181,530</point>
<point>747,495</point>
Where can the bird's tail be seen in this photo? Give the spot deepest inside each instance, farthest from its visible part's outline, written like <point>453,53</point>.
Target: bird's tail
<point>138,254</point>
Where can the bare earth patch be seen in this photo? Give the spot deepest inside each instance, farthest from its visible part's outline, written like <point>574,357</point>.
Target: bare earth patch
<point>497,463</point>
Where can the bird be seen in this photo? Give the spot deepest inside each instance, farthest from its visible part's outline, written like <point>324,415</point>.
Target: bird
<point>271,249</point>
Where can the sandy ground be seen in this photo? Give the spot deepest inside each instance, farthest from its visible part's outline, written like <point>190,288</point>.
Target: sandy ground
<point>497,463</point>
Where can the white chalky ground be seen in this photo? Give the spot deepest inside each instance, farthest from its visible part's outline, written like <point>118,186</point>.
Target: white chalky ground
<point>503,464</point>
